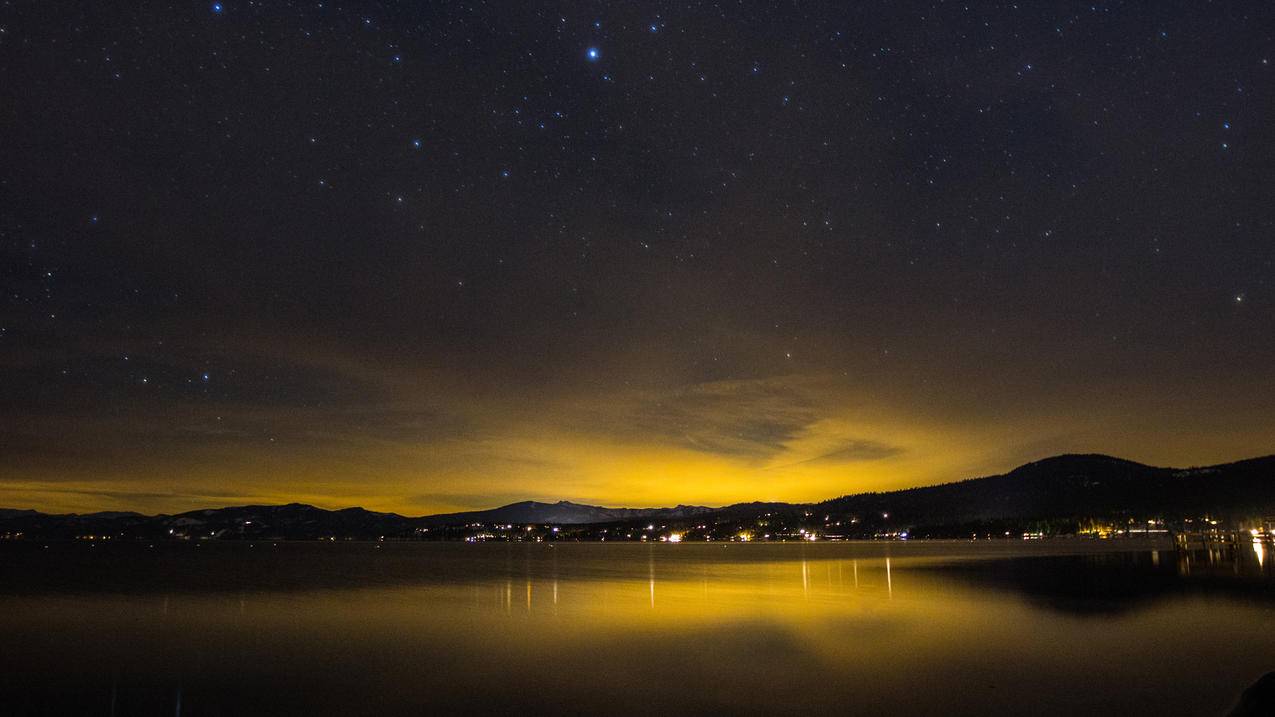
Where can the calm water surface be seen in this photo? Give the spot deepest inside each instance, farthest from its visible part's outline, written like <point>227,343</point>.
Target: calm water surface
<point>1069,627</point>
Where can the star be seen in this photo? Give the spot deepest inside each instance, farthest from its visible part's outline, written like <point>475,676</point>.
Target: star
<point>217,8</point>
<point>416,144</point>
<point>593,54</point>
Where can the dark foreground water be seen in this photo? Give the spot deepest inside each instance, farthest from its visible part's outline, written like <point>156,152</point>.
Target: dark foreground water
<point>1051,628</point>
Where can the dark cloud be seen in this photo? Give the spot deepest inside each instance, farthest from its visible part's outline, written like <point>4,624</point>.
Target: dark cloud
<point>747,419</point>
<point>140,498</point>
<point>852,452</point>
<point>77,379</point>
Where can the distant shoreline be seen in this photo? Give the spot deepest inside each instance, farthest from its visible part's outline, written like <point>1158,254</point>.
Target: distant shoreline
<point>1082,543</point>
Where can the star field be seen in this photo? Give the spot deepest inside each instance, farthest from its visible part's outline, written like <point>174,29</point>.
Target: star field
<point>430,257</point>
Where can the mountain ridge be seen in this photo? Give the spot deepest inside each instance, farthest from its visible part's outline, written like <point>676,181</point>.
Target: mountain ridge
<point>1068,487</point>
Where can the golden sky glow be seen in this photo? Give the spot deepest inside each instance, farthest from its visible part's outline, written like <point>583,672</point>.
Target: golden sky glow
<point>417,442</point>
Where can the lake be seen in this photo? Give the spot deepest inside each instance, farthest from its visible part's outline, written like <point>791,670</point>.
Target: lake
<point>1061,627</point>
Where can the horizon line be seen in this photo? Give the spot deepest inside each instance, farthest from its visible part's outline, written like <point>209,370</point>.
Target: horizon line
<point>662,507</point>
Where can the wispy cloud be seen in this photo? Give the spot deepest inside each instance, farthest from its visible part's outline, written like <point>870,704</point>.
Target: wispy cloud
<point>854,451</point>
<point>745,419</point>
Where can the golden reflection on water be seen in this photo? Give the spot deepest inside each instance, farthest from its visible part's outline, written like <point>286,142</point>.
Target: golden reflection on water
<point>712,592</point>
<point>649,630</point>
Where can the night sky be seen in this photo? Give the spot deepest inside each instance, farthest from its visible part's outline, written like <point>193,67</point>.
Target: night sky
<point>431,256</point>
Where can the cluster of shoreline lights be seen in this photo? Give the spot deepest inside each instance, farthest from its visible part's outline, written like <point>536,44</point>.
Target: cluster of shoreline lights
<point>1260,537</point>
<point>743,537</point>
<point>670,537</point>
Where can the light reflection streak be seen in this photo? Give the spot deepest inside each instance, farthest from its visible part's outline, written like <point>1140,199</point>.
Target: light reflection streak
<point>703,586</point>
<point>651,572</point>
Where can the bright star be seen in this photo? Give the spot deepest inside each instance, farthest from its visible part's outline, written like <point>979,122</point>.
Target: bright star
<point>654,27</point>
<point>416,143</point>
<point>217,8</point>
<point>593,54</point>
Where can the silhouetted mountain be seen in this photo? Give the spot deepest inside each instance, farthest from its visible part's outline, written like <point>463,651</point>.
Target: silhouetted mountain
<point>1073,487</point>
<point>563,512</point>
<point>291,521</point>
<point>297,521</point>
<point>1058,493</point>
